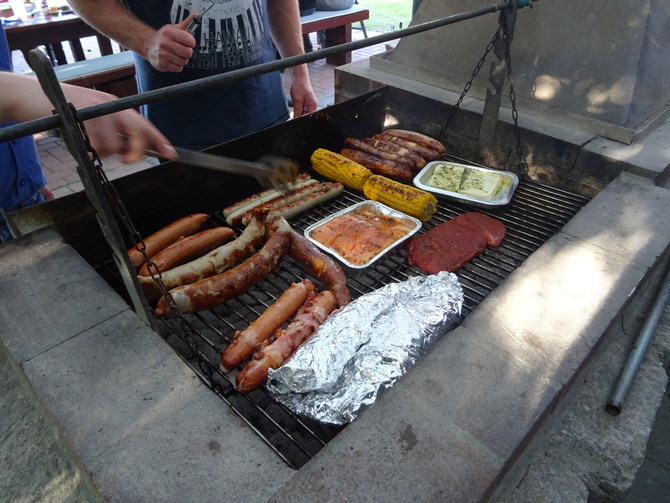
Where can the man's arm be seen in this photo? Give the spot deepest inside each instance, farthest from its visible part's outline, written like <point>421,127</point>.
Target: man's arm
<point>125,132</point>
<point>167,49</point>
<point>284,16</point>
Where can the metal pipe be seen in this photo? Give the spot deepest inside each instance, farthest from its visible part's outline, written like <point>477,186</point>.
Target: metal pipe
<point>635,357</point>
<point>55,121</point>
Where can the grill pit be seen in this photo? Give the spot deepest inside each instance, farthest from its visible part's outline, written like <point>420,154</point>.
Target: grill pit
<point>437,415</point>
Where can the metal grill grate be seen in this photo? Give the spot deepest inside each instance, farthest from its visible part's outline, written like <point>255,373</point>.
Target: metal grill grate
<point>535,213</point>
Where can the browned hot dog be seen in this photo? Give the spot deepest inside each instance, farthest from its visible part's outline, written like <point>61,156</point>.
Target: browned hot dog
<point>327,191</point>
<point>316,310</point>
<point>387,150</point>
<point>220,288</point>
<point>189,248</point>
<point>426,153</point>
<point>249,340</point>
<point>259,197</point>
<point>300,192</point>
<point>165,237</point>
<point>243,215</point>
<point>419,138</point>
<point>218,260</point>
<point>390,169</point>
<point>321,266</point>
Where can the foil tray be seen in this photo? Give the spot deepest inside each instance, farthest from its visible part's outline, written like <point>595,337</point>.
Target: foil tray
<point>422,180</point>
<point>413,224</point>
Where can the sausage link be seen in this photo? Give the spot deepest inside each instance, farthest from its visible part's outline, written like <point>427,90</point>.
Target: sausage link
<point>419,138</point>
<point>259,197</point>
<point>426,153</point>
<point>165,237</point>
<point>327,191</point>
<point>218,260</point>
<point>189,248</point>
<point>389,169</point>
<point>220,288</point>
<point>377,148</point>
<point>315,312</point>
<point>321,266</point>
<point>247,341</point>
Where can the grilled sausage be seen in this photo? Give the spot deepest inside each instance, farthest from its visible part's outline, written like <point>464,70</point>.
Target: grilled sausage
<point>218,260</point>
<point>299,193</point>
<point>327,191</point>
<point>387,150</point>
<point>243,215</point>
<point>419,138</point>
<point>165,237</point>
<point>259,197</point>
<point>321,266</point>
<point>315,311</point>
<point>247,341</point>
<point>426,153</point>
<point>189,248</point>
<point>220,288</point>
<point>390,169</point>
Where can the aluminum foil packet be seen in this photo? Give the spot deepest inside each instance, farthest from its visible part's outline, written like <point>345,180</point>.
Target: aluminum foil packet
<point>366,346</point>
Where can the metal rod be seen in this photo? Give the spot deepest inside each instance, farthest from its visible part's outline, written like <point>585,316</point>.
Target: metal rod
<point>92,184</point>
<point>615,404</point>
<point>55,121</point>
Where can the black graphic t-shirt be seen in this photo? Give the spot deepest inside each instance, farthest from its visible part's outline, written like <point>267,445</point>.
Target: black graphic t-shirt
<point>233,34</point>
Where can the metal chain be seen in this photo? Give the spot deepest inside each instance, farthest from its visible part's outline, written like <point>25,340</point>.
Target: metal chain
<point>475,72</point>
<point>122,214</point>
<point>522,165</point>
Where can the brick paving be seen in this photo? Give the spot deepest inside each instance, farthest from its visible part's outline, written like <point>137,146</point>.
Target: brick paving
<point>60,167</point>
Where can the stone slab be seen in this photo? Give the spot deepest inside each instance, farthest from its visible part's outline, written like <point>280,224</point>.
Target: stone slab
<point>629,219</point>
<point>49,294</point>
<point>38,465</point>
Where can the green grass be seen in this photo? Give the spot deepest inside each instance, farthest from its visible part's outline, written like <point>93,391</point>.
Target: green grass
<point>387,15</point>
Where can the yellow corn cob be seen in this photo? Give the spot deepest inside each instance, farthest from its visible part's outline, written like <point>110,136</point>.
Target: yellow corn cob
<point>399,196</point>
<point>340,169</point>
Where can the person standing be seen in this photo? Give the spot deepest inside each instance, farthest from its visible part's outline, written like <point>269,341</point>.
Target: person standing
<point>232,35</point>
<point>22,182</point>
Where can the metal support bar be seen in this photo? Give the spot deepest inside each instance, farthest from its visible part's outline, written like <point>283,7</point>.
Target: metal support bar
<point>92,184</point>
<point>615,403</point>
<point>44,124</point>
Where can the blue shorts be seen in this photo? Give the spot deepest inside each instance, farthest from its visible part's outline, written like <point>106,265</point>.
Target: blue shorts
<point>36,198</point>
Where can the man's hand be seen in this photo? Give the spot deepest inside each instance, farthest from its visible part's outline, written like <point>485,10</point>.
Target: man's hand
<point>171,47</point>
<point>304,99</point>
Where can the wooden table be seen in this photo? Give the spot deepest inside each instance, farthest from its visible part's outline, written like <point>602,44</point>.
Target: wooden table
<point>51,31</point>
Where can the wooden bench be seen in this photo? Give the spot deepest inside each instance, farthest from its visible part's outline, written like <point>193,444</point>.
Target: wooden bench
<point>337,25</point>
<point>114,73</point>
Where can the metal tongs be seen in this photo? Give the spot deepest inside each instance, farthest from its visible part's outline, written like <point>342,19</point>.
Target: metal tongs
<point>197,20</point>
<point>280,172</point>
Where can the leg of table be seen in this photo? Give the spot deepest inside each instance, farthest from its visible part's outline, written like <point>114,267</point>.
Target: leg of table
<point>77,49</point>
<point>336,36</point>
<point>105,45</point>
<point>58,53</point>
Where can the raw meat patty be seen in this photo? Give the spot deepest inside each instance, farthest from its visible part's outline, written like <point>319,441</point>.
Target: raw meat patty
<point>451,245</point>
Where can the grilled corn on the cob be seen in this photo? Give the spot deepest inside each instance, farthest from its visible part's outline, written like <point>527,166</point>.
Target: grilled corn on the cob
<point>340,169</point>
<point>399,196</point>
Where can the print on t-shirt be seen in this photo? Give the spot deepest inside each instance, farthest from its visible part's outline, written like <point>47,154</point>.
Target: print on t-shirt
<point>231,33</point>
